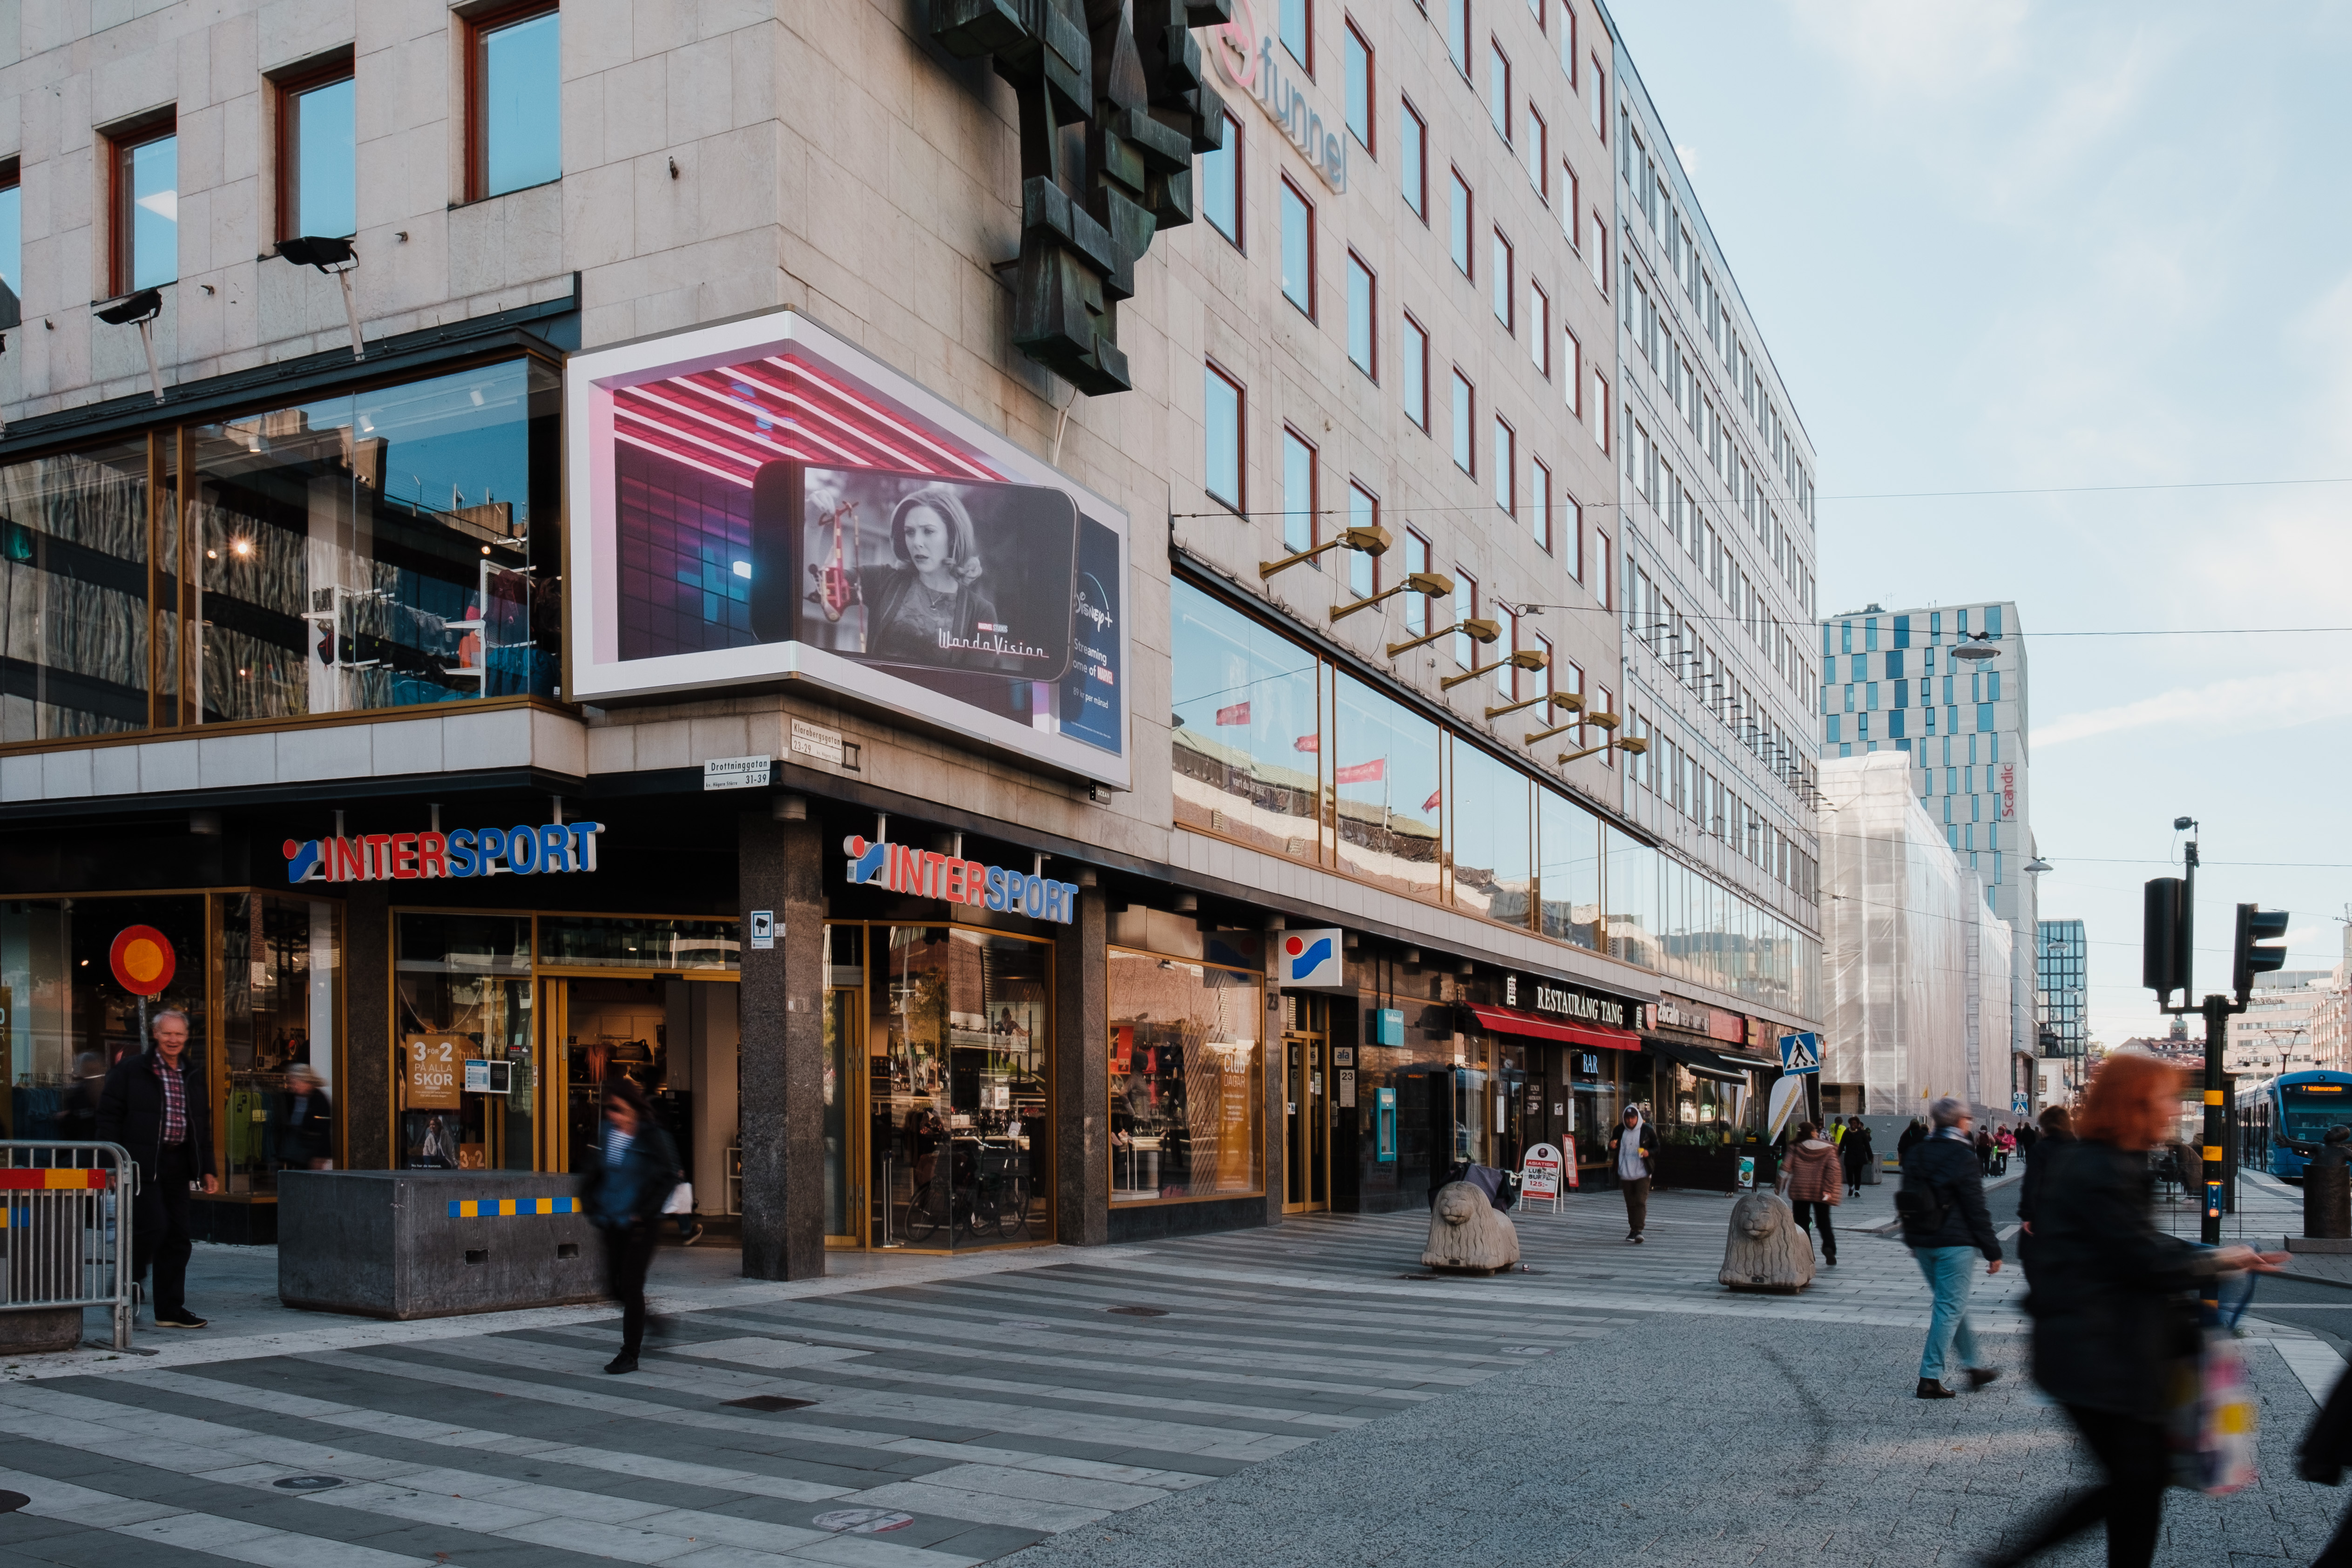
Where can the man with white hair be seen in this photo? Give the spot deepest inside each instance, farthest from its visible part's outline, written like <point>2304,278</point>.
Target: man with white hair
<point>1945,1224</point>
<point>154,1105</point>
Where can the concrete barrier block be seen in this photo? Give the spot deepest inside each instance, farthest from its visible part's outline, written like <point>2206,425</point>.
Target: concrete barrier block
<point>434,1244</point>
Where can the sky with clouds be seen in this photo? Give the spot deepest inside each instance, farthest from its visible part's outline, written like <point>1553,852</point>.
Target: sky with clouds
<point>2006,246</point>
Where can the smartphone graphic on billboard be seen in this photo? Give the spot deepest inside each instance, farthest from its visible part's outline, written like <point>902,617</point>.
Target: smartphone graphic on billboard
<point>895,568</point>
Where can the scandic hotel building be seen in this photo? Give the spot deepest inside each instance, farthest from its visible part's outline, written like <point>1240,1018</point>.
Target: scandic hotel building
<point>770,606</point>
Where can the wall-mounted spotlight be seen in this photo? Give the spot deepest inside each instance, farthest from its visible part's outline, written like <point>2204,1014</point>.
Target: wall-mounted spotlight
<point>1568,700</point>
<point>1525,659</point>
<point>1474,629</point>
<point>335,257</point>
<point>140,310</point>
<point>1435,585</point>
<point>1373,540</point>
<point>1631,745</point>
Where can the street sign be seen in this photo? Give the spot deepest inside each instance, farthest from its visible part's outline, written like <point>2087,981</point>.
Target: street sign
<point>2017,1103</point>
<point>763,929</point>
<point>1801,1053</point>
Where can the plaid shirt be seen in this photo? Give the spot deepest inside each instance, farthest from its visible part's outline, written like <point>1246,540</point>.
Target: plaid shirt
<point>175,1102</point>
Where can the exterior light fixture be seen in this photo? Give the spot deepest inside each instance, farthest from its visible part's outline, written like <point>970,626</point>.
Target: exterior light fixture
<point>1373,540</point>
<point>1435,585</point>
<point>336,257</point>
<point>1976,648</point>
<point>1568,700</point>
<point>1474,629</point>
<point>2035,866</point>
<point>1525,659</point>
<point>1631,745</point>
<point>140,310</point>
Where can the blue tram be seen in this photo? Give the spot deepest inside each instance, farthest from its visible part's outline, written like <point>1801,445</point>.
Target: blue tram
<point>2282,1120</point>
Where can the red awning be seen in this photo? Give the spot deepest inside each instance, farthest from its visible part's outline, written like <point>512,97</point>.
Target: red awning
<point>1514,1021</point>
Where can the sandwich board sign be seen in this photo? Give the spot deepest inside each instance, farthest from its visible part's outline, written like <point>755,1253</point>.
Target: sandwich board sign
<point>1539,1174</point>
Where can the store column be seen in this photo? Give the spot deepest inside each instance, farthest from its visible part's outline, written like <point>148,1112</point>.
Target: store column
<point>371,1056</point>
<point>1082,1072</point>
<point>781,877</point>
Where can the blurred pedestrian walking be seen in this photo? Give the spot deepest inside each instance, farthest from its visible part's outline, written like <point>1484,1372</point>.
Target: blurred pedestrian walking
<point>1813,1184</point>
<point>2326,1448</point>
<point>2057,1130</point>
<point>1911,1137</point>
<point>633,1171</point>
<point>1855,1151</point>
<point>1632,1149</point>
<point>1945,1224</point>
<point>2113,1307</point>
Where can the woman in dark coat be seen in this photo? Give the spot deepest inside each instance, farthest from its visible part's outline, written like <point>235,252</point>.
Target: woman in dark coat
<point>2112,1307</point>
<point>633,1175</point>
<point>1855,1150</point>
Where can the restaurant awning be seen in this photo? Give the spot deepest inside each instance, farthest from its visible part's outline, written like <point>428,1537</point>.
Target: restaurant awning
<point>1535,1026</point>
<point>1724,1067</point>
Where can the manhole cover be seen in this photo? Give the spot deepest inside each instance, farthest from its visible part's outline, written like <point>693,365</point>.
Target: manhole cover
<point>769,1402</point>
<point>307,1483</point>
<point>1139,1312</point>
<point>11,1501</point>
<point>861,1521</point>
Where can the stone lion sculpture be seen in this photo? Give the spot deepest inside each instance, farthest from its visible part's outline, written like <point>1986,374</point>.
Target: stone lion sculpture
<point>1468,1233</point>
<point>1766,1250</point>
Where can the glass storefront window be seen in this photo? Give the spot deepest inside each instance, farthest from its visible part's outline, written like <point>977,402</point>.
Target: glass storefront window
<point>1699,1110</point>
<point>1632,893</point>
<point>1492,842</point>
<point>1246,748</point>
<point>64,1017</point>
<point>1570,839</point>
<point>959,1045</point>
<point>377,549</point>
<point>1385,779</point>
<point>280,993</point>
<point>462,993</point>
<point>584,942</point>
<point>73,594</point>
<point>1187,1079</point>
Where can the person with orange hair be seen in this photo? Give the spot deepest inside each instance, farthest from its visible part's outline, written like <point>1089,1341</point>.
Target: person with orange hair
<point>2113,1307</point>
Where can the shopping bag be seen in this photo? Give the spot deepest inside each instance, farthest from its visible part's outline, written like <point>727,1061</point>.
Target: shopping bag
<point>681,1199</point>
<point>2212,1416</point>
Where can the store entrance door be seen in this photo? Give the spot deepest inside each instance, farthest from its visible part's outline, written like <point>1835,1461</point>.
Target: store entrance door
<point>1306,1119</point>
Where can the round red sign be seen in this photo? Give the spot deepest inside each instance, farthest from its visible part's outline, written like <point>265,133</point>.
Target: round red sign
<point>143,960</point>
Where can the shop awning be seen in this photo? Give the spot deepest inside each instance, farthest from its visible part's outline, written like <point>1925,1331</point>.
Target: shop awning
<point>1721,1066</point>
<point>1535,1026</point>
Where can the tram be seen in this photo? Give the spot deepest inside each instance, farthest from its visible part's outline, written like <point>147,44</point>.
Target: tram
<point>2282,1120</point>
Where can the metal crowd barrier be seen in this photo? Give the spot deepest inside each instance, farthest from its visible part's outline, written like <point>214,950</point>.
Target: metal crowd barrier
<point>65,1229</point>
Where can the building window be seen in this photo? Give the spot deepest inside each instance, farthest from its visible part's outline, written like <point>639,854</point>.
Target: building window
<point>1600,569</point>
<point>514,92</point>
<point>1298,18</point>
<point>1413,159</point>
<point>1464,458</point>
<point>1363,570</point>
<point>1504,288</point>
<point>1298,483</point>
<point>1568,42</point>
<point>1221,184</point>
<point>1572,521</point>
<point>1221,422</point>
<point>1458,237</point>
<point>1571,201</point>
<point>1539,502</point>
<point>1416,561</point>
<point>1363,311</point>
<point>1572,372</point>
<point>1506,674</point>
<point>1498,90</point>
<point>1457,34</point>
<point>1599,100</point>
<point>1597,254</point>
<point>12,245</point>
<point>146,205</point>
<point>1187,1079</point>
<point>1297,249</point>
<point>1539,153</point>
<point>1506,468</point>
<point>1539,326</point>
<point>1465,610</point>
<point>318,154</point>
<point>1360,88</point>
<point>1608,705</point>
<point>1415,379</point>
<point>1599,409</point>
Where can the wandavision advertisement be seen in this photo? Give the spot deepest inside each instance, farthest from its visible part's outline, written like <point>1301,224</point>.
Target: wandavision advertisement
<point>766,504</point>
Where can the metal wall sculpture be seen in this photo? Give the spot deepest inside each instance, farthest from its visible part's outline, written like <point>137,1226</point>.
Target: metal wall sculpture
<point>1114,105</point>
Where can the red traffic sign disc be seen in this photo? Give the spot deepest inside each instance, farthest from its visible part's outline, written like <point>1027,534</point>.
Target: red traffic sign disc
<point>143,960</point>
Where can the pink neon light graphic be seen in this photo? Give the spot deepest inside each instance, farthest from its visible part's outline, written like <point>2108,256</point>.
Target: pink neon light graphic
<point>794,367</point>
<point>677,457</point>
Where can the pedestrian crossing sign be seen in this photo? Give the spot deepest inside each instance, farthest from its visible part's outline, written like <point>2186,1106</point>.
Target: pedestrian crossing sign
<point>1801,1054</point>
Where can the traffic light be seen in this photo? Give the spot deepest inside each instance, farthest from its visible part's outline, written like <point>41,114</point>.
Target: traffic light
<point>2164,940</point>
<point>2256,926</point>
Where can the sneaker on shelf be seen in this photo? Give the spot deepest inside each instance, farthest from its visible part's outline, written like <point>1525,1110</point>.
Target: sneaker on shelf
<point>177,1317</point>
<point>1930,1389</point>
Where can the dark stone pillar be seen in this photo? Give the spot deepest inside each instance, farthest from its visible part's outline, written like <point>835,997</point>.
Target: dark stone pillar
<point>1277,1083</point>
<point>781,1003</point>
<point>1082,1075</point>
<point>363,1077</point>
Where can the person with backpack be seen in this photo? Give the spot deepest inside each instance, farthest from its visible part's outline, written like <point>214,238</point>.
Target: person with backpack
<point>1942,1207</point>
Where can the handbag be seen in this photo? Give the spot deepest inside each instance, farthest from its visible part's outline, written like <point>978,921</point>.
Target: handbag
<point>2213,1419</point>
<point>681,1199</point>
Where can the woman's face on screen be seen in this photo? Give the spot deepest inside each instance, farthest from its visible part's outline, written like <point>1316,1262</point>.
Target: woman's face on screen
<point>926,533</point>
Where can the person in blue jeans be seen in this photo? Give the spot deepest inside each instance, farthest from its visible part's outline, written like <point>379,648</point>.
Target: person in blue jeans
<point>1946,1225</point>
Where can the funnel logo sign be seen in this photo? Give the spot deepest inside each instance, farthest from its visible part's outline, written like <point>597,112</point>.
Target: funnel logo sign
<point>1311,961</point>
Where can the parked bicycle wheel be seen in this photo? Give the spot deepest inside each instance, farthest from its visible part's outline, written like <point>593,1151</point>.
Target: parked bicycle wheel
<point>922,1222</point>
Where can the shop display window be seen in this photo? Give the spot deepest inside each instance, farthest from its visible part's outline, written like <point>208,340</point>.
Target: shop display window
<point>1594,1082</point>
<point>1700,1111</point>
<point>674,946</point>
<point>464,1086</point>
<point>959,1091</point>
<point>612,1029</point>
<point>280,1001</point>
<point>1570,839</point>
<point>1247,741</point>
<point>65,1017</point>
<point>1187,1079</point>
<point>1385,779</point>
<point>1493,841</point>
<point>74,643</point>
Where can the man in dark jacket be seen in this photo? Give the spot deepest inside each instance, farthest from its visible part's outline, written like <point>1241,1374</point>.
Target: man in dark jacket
<point>631,1175</point>
<point>154,1104</point>
<point>2057,1130</point>
<point>301,1131</point>
<point>1632,1154</point>
<point>1945,1224</point>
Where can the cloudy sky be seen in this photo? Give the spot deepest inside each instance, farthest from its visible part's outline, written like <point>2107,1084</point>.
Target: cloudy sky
<point>2104,249</point>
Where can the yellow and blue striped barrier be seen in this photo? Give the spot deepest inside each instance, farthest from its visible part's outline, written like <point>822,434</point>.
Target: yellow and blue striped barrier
<point>492,1208</point>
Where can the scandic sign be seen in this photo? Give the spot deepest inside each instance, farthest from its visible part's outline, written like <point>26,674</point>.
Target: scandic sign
<point>902,868</point>
<point>523,850</point>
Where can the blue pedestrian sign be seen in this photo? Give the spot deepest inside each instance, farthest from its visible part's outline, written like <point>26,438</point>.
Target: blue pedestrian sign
<point>2017,1103</point>
<point>1801,1054</point>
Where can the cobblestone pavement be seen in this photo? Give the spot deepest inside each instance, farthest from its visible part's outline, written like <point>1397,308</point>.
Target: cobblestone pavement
<point>1303,1394</point>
